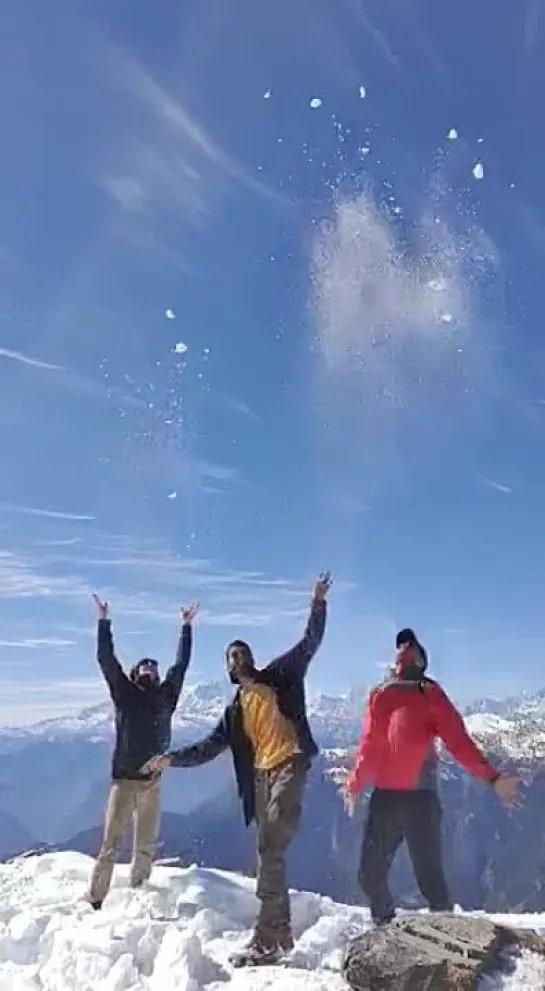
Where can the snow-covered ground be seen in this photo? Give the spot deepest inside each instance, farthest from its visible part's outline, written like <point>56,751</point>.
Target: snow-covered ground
<point>175,936</point>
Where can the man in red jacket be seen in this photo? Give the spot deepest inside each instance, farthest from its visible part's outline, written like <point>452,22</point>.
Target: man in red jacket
<point>397,757</point>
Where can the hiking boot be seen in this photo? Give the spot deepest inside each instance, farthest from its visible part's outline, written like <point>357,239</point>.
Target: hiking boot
<point>257,954</point>
<point>384,920</point>
<point>286,943</point>
<point>94,905</point>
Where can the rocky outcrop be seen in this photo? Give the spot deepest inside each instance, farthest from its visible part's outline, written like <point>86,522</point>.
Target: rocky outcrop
<point>432,953</point>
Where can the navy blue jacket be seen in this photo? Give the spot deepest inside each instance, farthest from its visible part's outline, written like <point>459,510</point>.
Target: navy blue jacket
<point>286,675</point>
<point>143,717</point>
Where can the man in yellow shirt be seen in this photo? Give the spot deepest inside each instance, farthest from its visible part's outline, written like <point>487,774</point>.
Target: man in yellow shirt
<point>267,729</point>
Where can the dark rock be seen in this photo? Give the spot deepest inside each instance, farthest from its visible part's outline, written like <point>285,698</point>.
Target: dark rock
<point>37,851</point>
<point>431,953</point>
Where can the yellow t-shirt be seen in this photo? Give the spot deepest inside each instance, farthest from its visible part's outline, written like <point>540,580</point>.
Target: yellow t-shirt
<point>272,736</point>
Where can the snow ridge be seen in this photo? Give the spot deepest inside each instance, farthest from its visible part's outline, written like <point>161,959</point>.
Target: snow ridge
<point>176,935</point>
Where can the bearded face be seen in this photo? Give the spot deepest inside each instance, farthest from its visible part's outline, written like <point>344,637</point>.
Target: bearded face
<point>240,661</point>
<point>147,673</point>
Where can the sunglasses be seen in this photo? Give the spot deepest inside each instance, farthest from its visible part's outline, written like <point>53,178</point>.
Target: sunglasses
<point>151,666</point>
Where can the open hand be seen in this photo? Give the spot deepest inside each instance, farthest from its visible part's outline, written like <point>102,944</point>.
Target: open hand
<point>322,586</point>
<point>189,612</point>
<point>506,788</point>
<point>102,607</point>
<point>156,764</point>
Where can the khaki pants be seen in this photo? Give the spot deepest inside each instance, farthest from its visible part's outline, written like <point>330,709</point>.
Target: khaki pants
<point>279,797</point>
<point>141,801</point>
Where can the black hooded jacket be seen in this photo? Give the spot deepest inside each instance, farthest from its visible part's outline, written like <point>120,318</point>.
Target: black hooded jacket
<point>143,716</point>
<point>286,675</point>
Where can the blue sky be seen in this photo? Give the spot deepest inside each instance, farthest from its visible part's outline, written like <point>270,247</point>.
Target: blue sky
<point>289,193</point>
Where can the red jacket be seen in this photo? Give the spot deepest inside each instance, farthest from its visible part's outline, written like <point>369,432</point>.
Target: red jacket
<point>397,747</point>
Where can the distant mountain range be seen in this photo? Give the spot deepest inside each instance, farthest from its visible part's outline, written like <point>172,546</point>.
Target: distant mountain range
<point>54,775</point>
<point>54,780</point>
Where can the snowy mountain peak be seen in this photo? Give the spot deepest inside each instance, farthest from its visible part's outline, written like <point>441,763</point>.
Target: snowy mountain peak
<point>202,703</point>
<point>515,727</point>
<point>176,935</point>
<point>207,698</point>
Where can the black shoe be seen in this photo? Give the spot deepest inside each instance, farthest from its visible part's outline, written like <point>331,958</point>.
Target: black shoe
<point>96,906</point>
<point>257,955</point>
<point>383,921</point>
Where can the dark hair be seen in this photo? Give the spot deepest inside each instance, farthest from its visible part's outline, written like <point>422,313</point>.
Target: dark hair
<point>135,670</point>
<point>239,647</point>
<point>406,636</point>
<point>409,637</point>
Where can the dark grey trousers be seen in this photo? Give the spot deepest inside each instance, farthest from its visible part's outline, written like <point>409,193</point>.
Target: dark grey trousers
<point>279,797</point>
<point>395,816</point>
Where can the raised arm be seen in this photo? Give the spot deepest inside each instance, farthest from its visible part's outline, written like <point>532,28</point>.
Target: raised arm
<point>174,678</point>
<point>115,677</point>
<point>297,660</point>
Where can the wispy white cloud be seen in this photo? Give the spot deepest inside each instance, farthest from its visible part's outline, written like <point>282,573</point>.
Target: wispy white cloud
<point>25,577</point>
<point>30,643</point>
<point>51,514</point>
<point>68,542</point>
<point>240,619</point>
<point>144,580</point>
<point>25,359</point>
<point>378,36</point>
<point>129,193</point>
<point>217,473</point>
<point>166,173</point>
<point>68,378</point>
<point>498,486</point>
<point>189,132</point>
<point>145,583</point>
<point>230,404</point>
<point>23,705</point>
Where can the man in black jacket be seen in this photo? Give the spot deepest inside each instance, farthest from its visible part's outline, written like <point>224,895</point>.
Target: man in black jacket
<point>144,706</point>
<point>267,729</point>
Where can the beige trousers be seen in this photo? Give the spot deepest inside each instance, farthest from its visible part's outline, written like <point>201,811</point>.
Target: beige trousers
<point>141,801</point>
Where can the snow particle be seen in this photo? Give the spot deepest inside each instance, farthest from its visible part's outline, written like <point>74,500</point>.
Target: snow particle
<point>267,95</point>
<point>173,495</point>
<point>180,348</point>
<point>170,314</point>
<point>315,102</point>
<point>452,134</point>
<point>363,92</point>
<point>478,170</point>
<point>446,318</point>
